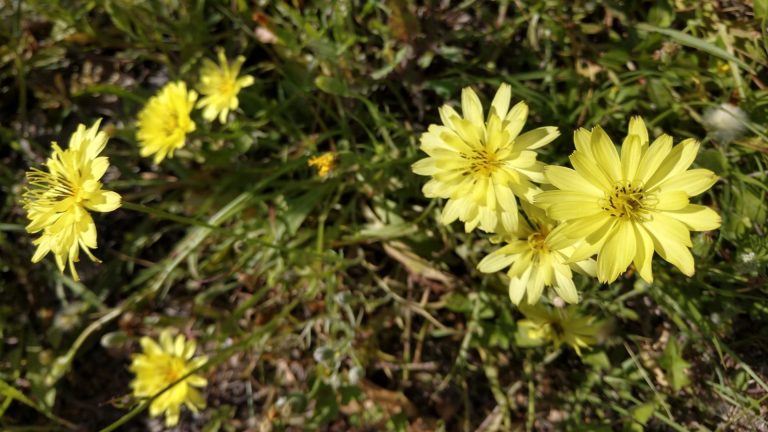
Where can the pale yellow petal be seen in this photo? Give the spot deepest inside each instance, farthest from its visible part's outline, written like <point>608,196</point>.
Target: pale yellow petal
<point>672,200</point>
<point>104,201</point>
<point>564,286</point>
<point>697,217</point>
<point>677,161</point>
<point>665,228</point>
<point>606,156</point>
<point>495,262</point>
<point>471,106</point>
<point>581,140</point>
<point>501,100</point>
<point>617,253</point>
<point>653,158</point>
<point>567,179</point>
<point>691,182</point>
<point>589,170</point>
<point>536,138</point>
<point>518,284</point>
<point>637,127</point>
<point>675,253</point>
<point>644,253</point>
<point>631,152</point>
<point>515,119</point>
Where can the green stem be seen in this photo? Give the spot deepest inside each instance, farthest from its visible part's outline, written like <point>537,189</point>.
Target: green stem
<point>166,215</point>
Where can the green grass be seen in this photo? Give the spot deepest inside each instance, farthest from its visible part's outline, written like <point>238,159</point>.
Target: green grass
<point>341,303</point>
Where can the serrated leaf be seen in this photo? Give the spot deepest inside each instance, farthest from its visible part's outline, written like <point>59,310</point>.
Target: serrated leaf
<point>674,365</point>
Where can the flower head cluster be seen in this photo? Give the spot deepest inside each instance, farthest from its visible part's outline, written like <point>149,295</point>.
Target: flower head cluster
<point>621,206</point>
<point>534,262</point>
<point>324,163</point>
<point>219,85</point>
<point>168,363</point>
<point>557,326</point>
<point>58,201</point>
<point>165,121</point>
<point>480,164</point>
<point>624,206</point>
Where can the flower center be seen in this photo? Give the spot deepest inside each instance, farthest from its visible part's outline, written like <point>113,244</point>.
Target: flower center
<point>226,87</point>
<point>483,162</point>
<point>174,370</point>
<point>537,242</point>
<point>628,201</point>
<point>557,329</point>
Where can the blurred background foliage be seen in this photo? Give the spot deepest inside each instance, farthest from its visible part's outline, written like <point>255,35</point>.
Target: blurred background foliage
<point>339,303</point>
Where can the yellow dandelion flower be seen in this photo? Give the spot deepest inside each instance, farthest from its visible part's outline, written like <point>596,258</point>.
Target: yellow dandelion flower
<point>626,206</point>
<point>219,84</point>
<point>58,201</point>
<point>324,163</point>
<point>480,165</point>
<point>159,366</point>
<point>533,261</point>
<point>165,122</point>
<point>557,326</point>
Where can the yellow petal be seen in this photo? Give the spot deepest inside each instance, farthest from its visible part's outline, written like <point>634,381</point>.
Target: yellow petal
<point>495,262</point>
<point>567,179</point>
<point>448,115</point>
<point>536,138</point>
<point>581,139</point>
<point>536,282</point>
<point>471,106</point>
<point>653,158</point>
<point>588,168</point>
<point>644,254</point>
<point>637,127</point>
<point>425,167</point>
<point>665,228</point>
<point>99,167</point>
<point>678,160</point>
<point>617,253</point>
<point>631,152</point>
<point>104,201</point>
<point>573,210</point>
<point>518,284</point>
<point>691,182</point>
<point>516,118</point>
<point>564,286</point>
<point>500,104</point>
<point>675,253</point>
<point>697,217</point>
<point>672,200</point>
<point>591,229</point>
<point>606,156</point>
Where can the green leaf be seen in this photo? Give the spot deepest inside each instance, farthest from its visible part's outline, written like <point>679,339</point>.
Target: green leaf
<point>641,414</point>
<point>674,365</point>
<point>760,9</point>
<point>694,42</point>
<point>332,86</point>
<point>12,393</point>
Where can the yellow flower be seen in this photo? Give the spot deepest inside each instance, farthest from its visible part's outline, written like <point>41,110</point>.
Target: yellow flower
<point>58,201</point>
<point>324,163</point>
<point>534,262</point>
<point>164,122</point>
<point>220,86</point>
<point>481,165</point>
<point>163,364</point>
<point>557,326</point>
<point>627,206</point>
